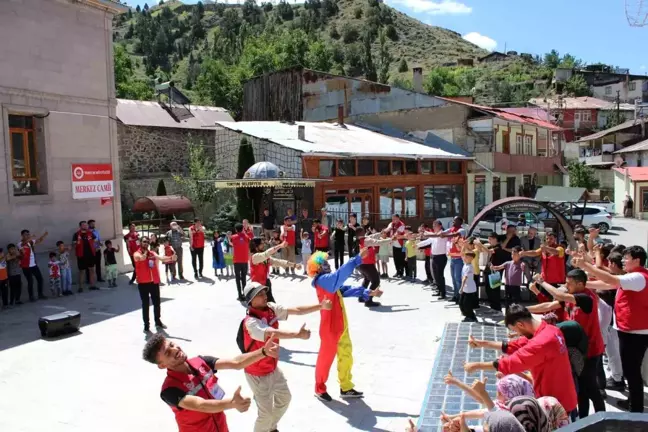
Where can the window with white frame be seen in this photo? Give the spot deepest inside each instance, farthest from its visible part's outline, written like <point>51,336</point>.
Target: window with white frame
<point>518,144</point>
<point>586,116</point>
<point>608,90</point>
<point>528,144</point>
<point>632,86</point>
<point>577,116</point>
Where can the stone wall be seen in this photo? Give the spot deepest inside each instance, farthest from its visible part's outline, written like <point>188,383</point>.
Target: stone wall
<point>160,151</point>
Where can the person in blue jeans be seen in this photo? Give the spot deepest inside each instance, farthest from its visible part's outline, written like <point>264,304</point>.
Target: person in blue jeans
<point>453,234</point>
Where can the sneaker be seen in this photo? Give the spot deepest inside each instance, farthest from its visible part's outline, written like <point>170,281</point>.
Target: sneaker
<point>371,303</point>
<point>353,393</point>
<point>624,404</point>
<point>93,288</point>
<point>195,275</point>
<point>42,297</point>
<point>147,329</point>
<point>100,280</point>
<point>611,384</point>
<point>160,325</point>
<point>324,397</point>
<point>240,298</point>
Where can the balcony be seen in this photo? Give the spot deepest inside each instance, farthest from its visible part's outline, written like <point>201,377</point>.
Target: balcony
<point>597,160</point>
<point>517,164</point>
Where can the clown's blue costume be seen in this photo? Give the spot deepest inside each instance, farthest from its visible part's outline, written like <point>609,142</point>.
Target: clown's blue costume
<point>334,331</point>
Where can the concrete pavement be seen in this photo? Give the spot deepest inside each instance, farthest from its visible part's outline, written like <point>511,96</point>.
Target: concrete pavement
<point>96,380</point>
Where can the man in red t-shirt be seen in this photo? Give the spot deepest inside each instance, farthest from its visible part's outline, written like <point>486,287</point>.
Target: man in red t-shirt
<point>197,246</point>
<point>132,244</point>
<point>541,350</point>
<point>241,256</point>
<point>321,236</point>
<point>289,236</point>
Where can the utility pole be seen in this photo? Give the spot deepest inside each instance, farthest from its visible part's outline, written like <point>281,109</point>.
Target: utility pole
<point>618,110</point>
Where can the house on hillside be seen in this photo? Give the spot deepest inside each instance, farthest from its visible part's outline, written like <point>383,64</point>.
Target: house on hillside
<point>616,146</point>
<point>495,56</point>
<point>152,139</point>
<point>354,170</point>
<point>57,98</point>
<point>581,116</point>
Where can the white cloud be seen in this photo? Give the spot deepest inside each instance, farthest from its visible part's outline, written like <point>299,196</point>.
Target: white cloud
<point>442,7</point>
<point>481,41</point>
<point>642,67</point>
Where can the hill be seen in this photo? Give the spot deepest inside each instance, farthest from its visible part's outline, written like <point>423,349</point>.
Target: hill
<point>210,49</point>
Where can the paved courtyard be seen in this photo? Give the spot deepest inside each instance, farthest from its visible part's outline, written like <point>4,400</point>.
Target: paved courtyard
<point>95,380</point>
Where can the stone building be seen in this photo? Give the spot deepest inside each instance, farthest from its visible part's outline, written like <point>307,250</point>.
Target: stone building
<point>57,98</point>
<point>153,143</point>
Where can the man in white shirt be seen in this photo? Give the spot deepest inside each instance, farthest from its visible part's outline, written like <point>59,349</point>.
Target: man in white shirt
<point>396,230</point>
<point>631,316</point>
<point>439,252</point>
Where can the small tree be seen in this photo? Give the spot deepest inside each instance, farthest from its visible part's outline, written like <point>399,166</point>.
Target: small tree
<point>402,66</point>
<point>161,188</point>
<point>581,175</point>
<point>384,59</point>
<point>197,184</point>
<point>244,202</point>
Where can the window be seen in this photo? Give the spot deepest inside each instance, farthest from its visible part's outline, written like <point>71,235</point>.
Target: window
<point>384,167</point>
<point>584,116</point>
<point>577,116</point>
<point>442,201</point>
<point>426,167</point>
<point>327,168</point>
<point>411,167</point>
<point>398,200</point>
<point>346,167</point>
<point>27,165</point>
<point>632,86</point>
<point>608,90</point>
<point>497,189</point>
<point>441,167</point>
<point>337,206</point>
<point>643,195</point>
<point>397,167</point>
<point>518,144</point>
<point>528,144</point>
<point>365,167</point>
<point>454,167</point>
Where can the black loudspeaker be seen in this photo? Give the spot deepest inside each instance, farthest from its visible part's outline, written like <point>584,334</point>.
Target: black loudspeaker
<point>59,324</point>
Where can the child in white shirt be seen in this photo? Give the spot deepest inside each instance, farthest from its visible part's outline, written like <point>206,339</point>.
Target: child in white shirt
<point>468,293</point>
<point>306,249</point>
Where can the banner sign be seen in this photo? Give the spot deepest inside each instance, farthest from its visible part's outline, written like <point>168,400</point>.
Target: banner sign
<point>280,183</point>
<point>92,181</point>
<point>522,208</point>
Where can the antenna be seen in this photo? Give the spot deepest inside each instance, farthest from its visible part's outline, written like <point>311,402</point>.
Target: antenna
<point>636,12</point>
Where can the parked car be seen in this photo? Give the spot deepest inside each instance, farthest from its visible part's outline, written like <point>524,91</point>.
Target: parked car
<point>497,222</point>
<point>585,215</point>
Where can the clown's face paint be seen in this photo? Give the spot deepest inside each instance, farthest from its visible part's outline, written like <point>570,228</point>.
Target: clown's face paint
<point>326,268</point>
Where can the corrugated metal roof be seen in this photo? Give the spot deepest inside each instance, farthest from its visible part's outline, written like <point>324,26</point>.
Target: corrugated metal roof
<point>164,205</point>
<point>618,128</point>
<point>334,140</point>
<point>582,102</point>
<point>143,113</point>
<point>635,173</point>
<point>536,113</point>
<point>508,116</point>
<point>640,146</point>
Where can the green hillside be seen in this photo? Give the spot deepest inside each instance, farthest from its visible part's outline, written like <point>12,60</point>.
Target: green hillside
<point>210,49</point>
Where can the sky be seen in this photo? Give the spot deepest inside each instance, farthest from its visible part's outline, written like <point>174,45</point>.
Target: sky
<point>591,30</point>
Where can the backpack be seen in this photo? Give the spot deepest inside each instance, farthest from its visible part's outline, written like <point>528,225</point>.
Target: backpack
<point>240,338</point>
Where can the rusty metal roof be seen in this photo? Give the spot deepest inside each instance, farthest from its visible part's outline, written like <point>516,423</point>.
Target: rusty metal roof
<point>582,102</point>
<point>152,114</point>
<point>163,205</point>
<point>618,128</point>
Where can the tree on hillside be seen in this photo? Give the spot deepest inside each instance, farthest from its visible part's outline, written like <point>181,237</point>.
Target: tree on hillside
<point>126,85</point>
<point>137,9</point>
<point>568,61</point>
<point>402,83</point>
<point>402,66</point>
<point>577,86</point>
<point>384,59</point>
<point>161,188</point>
<point>213,84</point>
<point>581,175</point>
<point>146,7</point>
<point>552,59</point>
<point>200,9</point>
<point>252,13</point>
<point>368,67</point>
<point>244,199</point>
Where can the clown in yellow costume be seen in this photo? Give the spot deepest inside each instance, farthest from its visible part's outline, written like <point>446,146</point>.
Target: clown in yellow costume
<point>334,331</point>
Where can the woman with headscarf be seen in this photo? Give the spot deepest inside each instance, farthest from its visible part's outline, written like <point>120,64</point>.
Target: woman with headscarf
<point>501,421</point>
<point>556,414</point>
<point>529,413</point>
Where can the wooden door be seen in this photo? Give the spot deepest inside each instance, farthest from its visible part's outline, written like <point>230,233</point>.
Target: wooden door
<point>506,142</point>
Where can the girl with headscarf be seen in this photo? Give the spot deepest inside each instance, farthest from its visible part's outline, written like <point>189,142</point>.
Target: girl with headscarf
<point>529,413</point>
<point>508,387</point>
<point>501,421</point>
<point>556,413</point>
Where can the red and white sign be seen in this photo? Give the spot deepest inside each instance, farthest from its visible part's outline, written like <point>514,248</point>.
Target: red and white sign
<point>92,181</point>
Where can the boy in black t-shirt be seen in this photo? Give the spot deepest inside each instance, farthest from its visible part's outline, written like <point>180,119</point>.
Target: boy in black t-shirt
<point>111,263</point>
<point>338,243</point>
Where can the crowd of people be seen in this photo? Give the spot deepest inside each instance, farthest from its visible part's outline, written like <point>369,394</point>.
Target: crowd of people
<point>591,301</point>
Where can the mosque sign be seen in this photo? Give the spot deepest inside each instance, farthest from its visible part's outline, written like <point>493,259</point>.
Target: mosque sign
<point>268,183</point>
